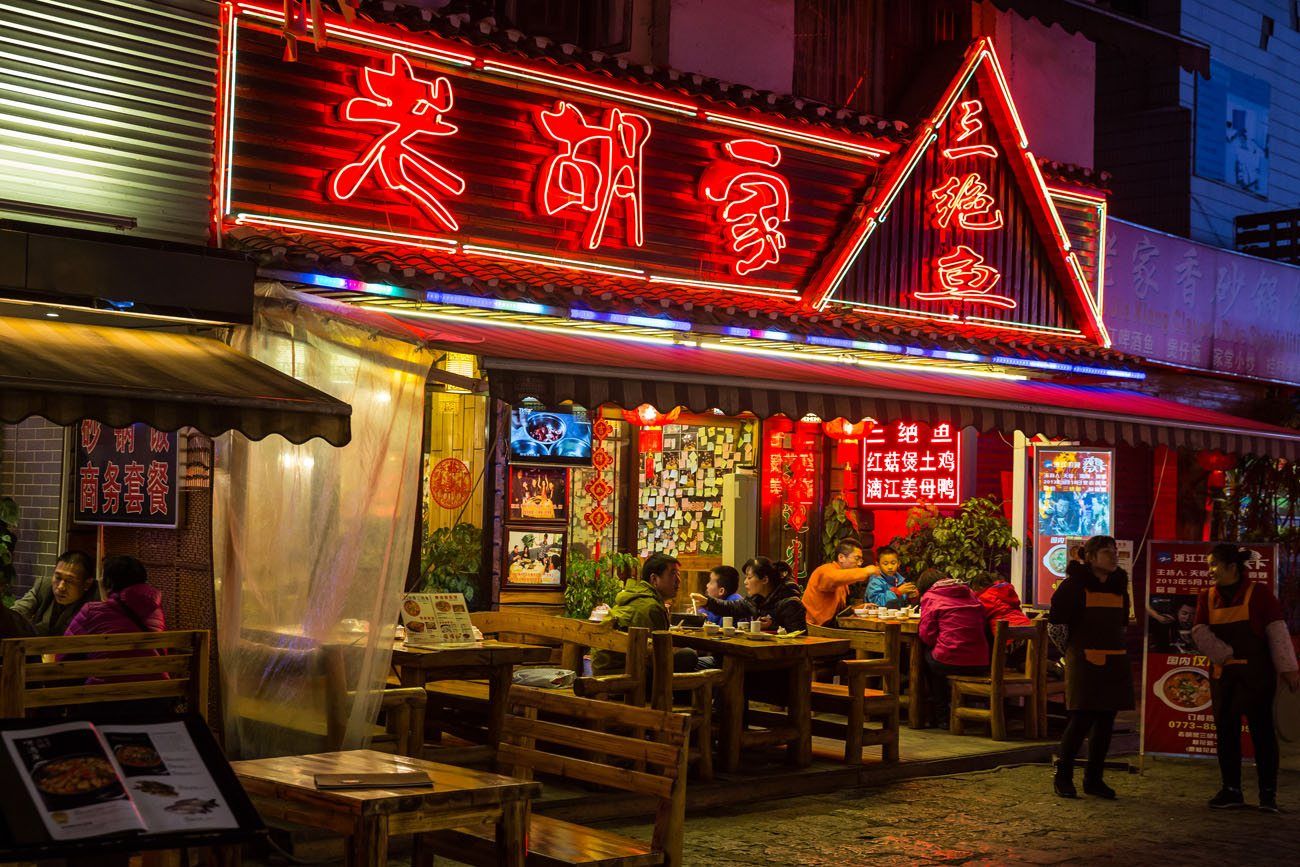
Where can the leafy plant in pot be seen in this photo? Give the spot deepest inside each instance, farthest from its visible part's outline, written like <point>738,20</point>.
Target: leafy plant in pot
<point>8,539</point>
<point>450,559</point>
<point>839,522</point>
<point>589,583</point>
<point>976,539</point>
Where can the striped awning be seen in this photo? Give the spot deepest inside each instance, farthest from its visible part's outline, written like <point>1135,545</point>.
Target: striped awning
<point>593,371</point>
<point>66,372</point>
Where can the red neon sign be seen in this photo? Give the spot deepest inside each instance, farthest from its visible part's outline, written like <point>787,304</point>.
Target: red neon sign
<point>595,166</point>
<point>409,107</point>
<point>905,463</point>
<point>963,277</point>
<point>966,198</point>
<point>755,202</point>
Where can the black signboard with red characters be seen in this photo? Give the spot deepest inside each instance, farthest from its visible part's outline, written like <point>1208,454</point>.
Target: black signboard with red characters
<point>126,477</point>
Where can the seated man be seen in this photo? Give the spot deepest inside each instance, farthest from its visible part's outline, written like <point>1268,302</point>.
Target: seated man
<point>644,602</point>
<point>724,584</point>
<point>890,589</point>
<point>54,600</point>
<point>828,586</point>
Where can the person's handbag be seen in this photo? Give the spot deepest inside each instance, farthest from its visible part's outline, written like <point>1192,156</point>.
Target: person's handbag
<point>1286,713</point>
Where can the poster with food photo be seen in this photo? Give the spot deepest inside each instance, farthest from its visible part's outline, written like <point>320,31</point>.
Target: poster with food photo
<point>1176,715</point>
<point>534,558</point>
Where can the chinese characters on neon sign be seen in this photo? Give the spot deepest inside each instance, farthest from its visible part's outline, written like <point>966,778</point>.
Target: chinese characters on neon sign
<point>128,477</point>
<point>755,202</point>
<point>409,107</point>
<point>594,169</point>
<point>962,202</point>
<point>904,463</point>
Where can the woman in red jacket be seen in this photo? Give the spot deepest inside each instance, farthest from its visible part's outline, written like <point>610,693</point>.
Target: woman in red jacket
<point>132,606</point>
<point>1239,626</point>
<point>954,635</point>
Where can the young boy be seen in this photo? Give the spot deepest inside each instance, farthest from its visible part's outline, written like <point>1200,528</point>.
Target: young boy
<point>890,588</point>
<point>724,582</point>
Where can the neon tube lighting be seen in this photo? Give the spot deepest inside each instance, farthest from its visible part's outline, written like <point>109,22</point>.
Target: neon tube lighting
<point>629,319</point>
<point>1071,195</point>
<point>617,93</point>
<point>378,40</point>
<point>907,314</point>
<point>754,333</point>
<point>1006,91</point>
<point>479,302</point>
<point>528,326</point>
<point>444,245</point>
<point>1017,326</point>
<point>729,287</point>
<point>552,261</point>
<point>228,146</point>
<point>1047,199</point>
<point>798,135</point>
<point>858,362</point>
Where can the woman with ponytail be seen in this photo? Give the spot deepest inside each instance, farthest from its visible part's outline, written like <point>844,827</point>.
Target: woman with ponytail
<point>1239,626</point>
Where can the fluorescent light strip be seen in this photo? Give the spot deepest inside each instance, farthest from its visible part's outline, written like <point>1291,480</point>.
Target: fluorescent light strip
<point>1006,91</point>
<point>1063,235</point>
<point>376,40</point>
<point>860,362</point>
<point>526,74</point>
<point>729,287</point>
<point>229,120</point>
<point>753,333</point>
<point>906,314</point>
<point>504,304</point>
<point>885,204</point>
<point>858,244</point>
<point>1083,288</point>
<point>1016,326</point>
<point>528,326</point>
<point>552,261</point>
<point>797,135</point>
<point>429,242</point>
<point>629,319</point>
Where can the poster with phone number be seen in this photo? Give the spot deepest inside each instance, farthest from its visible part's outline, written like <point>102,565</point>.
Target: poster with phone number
<point>1072,497</point>
<point>1176,714</point>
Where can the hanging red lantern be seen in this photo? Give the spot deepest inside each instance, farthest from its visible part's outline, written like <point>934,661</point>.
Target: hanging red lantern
<point>1214,460</point>
<point>841,429</point>
<point>646,415</point>
<point>1216,479</point>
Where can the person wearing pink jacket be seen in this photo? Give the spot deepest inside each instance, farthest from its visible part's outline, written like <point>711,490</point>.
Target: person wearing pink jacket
<point>133,605</point>
<point>954,635</point>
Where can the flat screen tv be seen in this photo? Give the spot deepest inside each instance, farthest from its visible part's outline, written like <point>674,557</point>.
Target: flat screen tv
<point>560,435</point>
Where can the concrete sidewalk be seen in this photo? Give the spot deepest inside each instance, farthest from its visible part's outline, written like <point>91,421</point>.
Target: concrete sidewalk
<point>1004,816</point>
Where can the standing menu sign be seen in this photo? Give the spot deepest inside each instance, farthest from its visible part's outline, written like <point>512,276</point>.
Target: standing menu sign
<point>126,476</point>
<point>1176,716</point>
<point>1072,497</point>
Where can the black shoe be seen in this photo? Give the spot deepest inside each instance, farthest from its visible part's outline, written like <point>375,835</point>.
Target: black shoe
<point>1227,799</point>
<point>1064,787</point>
<point>1098,789</point>
<point>1268,802</point>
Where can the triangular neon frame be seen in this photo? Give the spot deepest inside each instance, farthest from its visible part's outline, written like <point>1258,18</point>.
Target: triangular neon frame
<point>981,58</point>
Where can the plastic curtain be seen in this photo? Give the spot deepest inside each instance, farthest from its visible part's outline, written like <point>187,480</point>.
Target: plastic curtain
<point>311,543</point>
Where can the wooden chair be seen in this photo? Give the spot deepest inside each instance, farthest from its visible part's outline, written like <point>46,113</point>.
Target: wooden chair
<point>28,683</point>
<point>1004,683</point>
<point>876,658</point>
<point>667,686</point>
<point>460,706</point>
<point>543,731</point>
<point>402,709</point>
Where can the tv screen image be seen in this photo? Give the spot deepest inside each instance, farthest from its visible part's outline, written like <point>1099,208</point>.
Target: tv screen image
<point>550,436</point>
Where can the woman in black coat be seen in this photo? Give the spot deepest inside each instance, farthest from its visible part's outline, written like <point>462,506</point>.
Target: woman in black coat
<point>770,597</point>
<point>1088,621</point>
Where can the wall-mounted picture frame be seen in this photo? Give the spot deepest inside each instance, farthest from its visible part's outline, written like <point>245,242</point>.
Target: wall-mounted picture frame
<point>539,494</point>
<point>534,558</point>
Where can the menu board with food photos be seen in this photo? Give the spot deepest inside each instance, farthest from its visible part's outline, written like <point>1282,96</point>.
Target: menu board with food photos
<point>680,497</point>
<point>436,618</point>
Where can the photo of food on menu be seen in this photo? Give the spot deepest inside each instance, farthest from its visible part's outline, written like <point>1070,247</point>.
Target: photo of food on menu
<point>90,781</point>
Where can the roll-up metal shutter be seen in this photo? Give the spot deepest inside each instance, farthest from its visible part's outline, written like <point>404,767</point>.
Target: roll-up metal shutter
<point>106,108</point>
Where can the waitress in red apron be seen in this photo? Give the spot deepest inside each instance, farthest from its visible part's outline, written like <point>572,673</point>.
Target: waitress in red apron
<point>1088,621</point>
<point>1240,627</point>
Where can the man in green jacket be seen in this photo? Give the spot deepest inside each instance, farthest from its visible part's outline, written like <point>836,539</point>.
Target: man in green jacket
<point>52,603</point>
<point>642,602</point>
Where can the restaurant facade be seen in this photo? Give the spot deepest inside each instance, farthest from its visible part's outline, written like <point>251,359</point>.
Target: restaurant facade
<point>670,314</point>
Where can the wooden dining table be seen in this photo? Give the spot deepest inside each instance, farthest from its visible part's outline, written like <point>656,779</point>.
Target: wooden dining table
<point>909,628</point>
<point>741,655</point>
<point>492,660</point>
<point>284,789</point>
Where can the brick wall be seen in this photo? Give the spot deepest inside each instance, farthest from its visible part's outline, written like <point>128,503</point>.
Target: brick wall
<point>31,469</point>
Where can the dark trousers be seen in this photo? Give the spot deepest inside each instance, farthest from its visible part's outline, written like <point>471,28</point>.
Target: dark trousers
<point>937,674</point>
<point>1234,699</point>
<point>1096,726</point>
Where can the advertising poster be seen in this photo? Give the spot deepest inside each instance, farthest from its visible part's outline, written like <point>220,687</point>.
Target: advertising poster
<point>1176,715</point>
<point>1073,490</point>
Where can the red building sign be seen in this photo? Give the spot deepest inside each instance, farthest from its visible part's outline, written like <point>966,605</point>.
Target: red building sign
<point>907,462</point>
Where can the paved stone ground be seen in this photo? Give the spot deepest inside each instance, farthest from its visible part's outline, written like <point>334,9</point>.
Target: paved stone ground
<point>1005,816</point>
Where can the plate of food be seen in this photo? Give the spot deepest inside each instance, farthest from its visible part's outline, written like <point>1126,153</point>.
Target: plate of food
<point>139,758</point>
<point>1185,689</point>
<point>411,607</point>
<point>72,781</point>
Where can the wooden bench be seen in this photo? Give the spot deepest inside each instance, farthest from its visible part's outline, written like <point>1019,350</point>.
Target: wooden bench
<point>544,732</point>
<point>1004,683</point>
<point>460,705</point>
<point>876,658</point>
<point>314,718</point>
<point>28,683</point>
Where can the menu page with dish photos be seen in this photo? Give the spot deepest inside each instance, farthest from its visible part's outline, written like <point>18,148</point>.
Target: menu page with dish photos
<point>167,778</point>
<point>71,777</point>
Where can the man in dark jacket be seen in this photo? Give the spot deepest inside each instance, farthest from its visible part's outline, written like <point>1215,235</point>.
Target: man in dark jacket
<point>52,603</point>
<point>645,603</point>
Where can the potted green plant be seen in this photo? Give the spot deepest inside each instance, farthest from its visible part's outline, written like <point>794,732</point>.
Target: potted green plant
<point>592,582</point>
<point>450,559</point>
<point>839,522</point>
<point>974,540</point>
<point>8,520</point>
